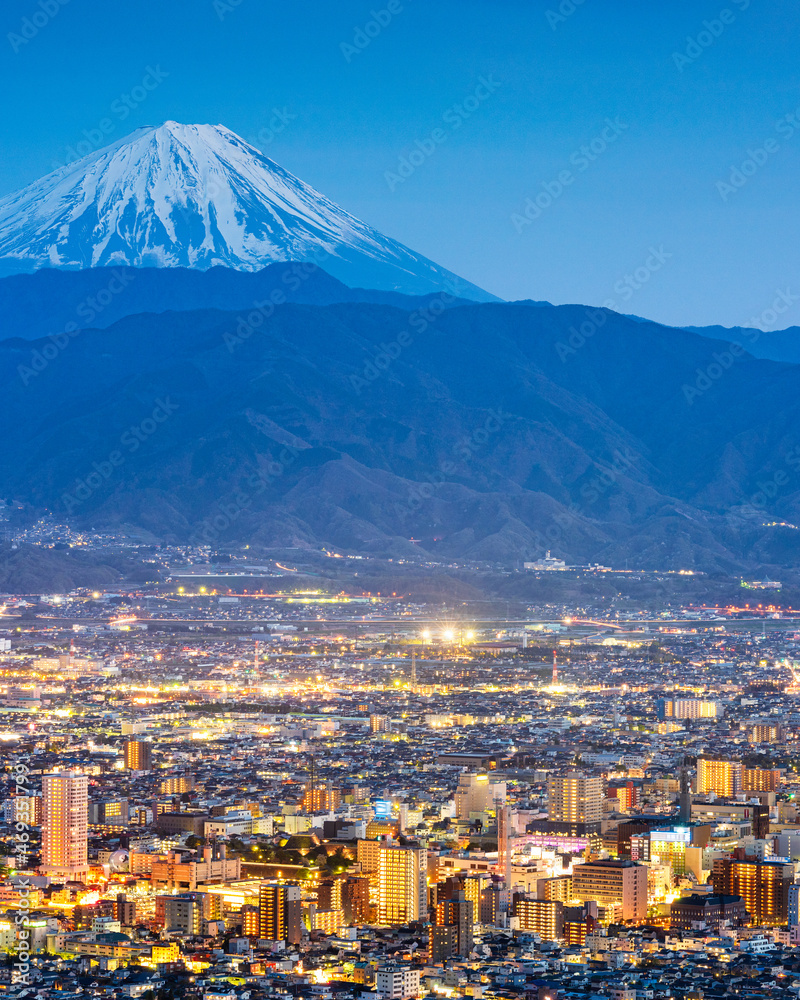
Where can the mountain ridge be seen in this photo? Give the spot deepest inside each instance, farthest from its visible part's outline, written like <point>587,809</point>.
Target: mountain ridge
<point>490,454</point>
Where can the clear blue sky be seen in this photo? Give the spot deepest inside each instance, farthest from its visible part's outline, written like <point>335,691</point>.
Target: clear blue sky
<point>655,185</point>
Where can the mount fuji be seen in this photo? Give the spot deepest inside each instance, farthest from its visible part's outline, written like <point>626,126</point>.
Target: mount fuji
<point>198,196</point>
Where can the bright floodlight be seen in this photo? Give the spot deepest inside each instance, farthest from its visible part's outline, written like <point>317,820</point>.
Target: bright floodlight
<point>448,635</point>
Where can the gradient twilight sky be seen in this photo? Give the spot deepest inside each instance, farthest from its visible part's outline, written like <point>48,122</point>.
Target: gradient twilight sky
<point>351,119</point>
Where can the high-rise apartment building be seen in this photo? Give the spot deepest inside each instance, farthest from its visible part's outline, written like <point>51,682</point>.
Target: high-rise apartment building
<point>23,809</point>
<point>279,909</point>
<point>607,882</point>
<point>321,798</point>
<point>544,917</point>
<point>575,797</point>
<point>451,933</point>
<point>355,899</point>
<point>722,777</point>
<point>402,884</point>
<point>65,824</point>
<point>138,755</point>
<point>766,732</point>
<point>794,905</point>
<point>686,708</point>
<point>184,913</point>
<point>177,784</point>
<point>760,779</point>
<point>329,894</point>
<point>763,885</point>
<point>251,921</point>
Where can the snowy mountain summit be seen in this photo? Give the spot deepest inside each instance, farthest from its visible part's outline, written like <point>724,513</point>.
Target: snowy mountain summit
<point>195,196</point>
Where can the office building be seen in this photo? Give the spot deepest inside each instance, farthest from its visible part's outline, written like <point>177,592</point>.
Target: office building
<point>402,884</point>
<point>176,872</point>
<point>575,798</point>
<point>720,777</point>
<point>476,794</point>
<point>754,813</point>
<point>279,909</point>
<point>65,824</point>
<point>607,882</point>
<point>111,812</point>
<point>763,885</point>
<point>668,847</point>
<point>183,913</point>
<point>138,755</point>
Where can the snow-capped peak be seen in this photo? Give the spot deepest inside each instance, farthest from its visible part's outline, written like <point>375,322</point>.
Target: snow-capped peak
<point>194,196</point>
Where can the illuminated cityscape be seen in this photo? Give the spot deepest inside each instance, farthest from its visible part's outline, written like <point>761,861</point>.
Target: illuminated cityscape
<point>305,789</point>
<point>399,500</point>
